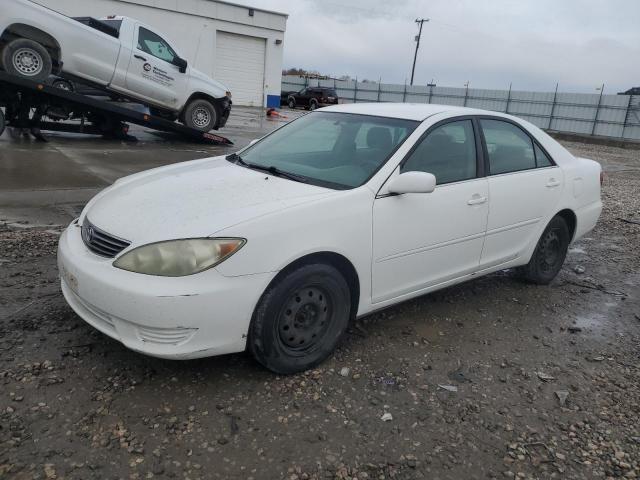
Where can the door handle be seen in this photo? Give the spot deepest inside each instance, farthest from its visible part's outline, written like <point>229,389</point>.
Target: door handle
<point>140,57</point>
<point>552,183</point>
<point>476,200</point>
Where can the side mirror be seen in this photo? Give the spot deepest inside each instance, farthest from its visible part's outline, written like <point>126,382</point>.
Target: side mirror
<point>181,63</point>
<point>412,182</point>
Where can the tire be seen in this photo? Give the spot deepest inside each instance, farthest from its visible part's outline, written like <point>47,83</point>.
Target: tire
<point>300,319</point>
<point>201,114</point>
<point>27,59</point>
<point>313,104</point>
<point>63,84</point>
<point>549,255</point>
<point>292,103</point>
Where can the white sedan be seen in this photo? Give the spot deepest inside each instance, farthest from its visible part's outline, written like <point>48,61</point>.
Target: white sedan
<point>342,212</point>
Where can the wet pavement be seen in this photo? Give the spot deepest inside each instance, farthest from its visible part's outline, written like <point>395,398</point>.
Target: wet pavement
<point>493,378</point>
<point>47,182</point>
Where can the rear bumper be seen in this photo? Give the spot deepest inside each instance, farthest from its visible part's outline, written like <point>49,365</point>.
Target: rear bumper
<point>587,217</point>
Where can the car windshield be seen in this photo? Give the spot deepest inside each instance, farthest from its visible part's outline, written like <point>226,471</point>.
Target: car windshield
<point>335,150</point>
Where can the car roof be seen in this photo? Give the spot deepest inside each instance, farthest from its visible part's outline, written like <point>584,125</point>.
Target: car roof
<point>407,111</point>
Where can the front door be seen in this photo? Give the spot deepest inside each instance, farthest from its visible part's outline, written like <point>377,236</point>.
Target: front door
<point>422,240</point>
<point>151,75</point>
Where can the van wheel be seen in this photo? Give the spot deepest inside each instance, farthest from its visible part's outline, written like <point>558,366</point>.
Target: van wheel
<point>300,319</point>
<point>201,115</point>
<point>27,59</point>
<point>549,255</point>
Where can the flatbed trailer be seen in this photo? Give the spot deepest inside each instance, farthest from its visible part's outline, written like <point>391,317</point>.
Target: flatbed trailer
<point>26,103</point>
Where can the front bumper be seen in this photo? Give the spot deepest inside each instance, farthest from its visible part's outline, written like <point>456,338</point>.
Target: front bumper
<point>179,318</point>
<point>225,107</point>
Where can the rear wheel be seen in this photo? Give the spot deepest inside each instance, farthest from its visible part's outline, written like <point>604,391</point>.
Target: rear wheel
<point>300,319</point>
<point>27,59</point>
<point>313,104</point>
<point>292,103</point>
<point>549,255</point>
<point>201,114</point>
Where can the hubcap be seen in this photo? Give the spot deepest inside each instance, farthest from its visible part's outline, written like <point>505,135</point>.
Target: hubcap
<point>305,318</point>
<point>201,117</point>
<point>550,251</point>
<point>28,62</point>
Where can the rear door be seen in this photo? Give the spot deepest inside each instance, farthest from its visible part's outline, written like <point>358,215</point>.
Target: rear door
<point>524,187</point>
<point>151,75</point>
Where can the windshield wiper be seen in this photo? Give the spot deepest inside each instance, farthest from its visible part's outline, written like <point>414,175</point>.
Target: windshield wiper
<point>237,159</point>
<point>277,172</point>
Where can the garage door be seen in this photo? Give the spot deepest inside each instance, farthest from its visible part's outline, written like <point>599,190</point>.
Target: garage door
<point>240,66</point>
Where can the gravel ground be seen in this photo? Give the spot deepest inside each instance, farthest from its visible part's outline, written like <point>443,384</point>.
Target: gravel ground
<point>490,379</point>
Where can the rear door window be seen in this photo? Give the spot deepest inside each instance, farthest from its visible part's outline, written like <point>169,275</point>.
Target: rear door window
<point>510,148</point>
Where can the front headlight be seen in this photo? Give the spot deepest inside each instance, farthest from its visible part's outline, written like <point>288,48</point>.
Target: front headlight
<point>177,258</point>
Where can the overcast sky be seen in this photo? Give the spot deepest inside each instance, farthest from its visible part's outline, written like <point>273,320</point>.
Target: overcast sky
<point>532,43</point>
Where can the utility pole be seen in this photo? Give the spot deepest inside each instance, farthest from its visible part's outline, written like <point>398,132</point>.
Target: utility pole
<point>415,57</point>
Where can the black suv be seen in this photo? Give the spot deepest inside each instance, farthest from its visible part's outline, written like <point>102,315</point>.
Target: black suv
<point>310,98</point>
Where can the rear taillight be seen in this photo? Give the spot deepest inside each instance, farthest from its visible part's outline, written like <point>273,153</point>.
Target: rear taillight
<point>601,178</point>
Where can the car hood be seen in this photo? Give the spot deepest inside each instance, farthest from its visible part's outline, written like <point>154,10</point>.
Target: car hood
<point>192,199</point>
<point>197,77</point>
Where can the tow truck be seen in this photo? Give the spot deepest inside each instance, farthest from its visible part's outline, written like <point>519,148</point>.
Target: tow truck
<point>36,107</point>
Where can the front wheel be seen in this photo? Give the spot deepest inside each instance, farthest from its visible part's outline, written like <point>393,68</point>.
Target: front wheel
<point>300,319</point>
<point>201,115</point>
<point>549,255</point>
<point>313,105</point>
<point>292,103</point>
<point>27,59</point>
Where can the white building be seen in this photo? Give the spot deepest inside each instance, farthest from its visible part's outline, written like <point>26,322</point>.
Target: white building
<point>237,45</point>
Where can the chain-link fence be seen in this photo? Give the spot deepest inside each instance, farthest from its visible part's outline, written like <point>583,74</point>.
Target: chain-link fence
<point>591,114</point>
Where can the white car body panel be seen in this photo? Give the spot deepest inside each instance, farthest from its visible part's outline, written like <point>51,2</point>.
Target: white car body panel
<point>400,247</point>
<point>99,58</point>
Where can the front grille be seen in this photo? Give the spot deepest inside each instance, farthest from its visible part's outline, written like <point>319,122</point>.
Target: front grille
<point>100,242</point>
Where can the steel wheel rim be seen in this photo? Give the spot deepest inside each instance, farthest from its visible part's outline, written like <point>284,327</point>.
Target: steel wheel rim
<point>550,251</point>
<point>201,117</point>
<point>28,62</point>
<point>305,319</point>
